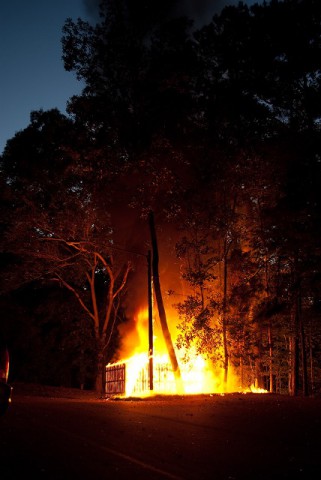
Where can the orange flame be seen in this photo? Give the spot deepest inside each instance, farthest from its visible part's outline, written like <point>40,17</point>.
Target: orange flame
<point>197,373</point>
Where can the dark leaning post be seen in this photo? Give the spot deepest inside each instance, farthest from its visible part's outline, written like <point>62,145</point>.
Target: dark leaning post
<point>150,324</point>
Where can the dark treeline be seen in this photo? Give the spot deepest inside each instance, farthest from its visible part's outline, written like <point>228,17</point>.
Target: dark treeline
<point>216,131</point>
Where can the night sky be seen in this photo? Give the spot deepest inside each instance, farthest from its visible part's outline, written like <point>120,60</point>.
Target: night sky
<point>32,72</point>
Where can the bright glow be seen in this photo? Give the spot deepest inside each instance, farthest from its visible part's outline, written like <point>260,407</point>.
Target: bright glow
<point>254,389</point>
<point>130,376</point>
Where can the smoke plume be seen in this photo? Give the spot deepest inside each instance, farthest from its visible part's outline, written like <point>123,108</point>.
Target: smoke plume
<point>200,11</point>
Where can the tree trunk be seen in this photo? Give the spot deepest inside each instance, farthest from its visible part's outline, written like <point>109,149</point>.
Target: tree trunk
<point>294,352</point>
<point>269,332</point>
<point>270,357</point>
<point>294,366</point>
<point>224,321</point>
<point>311,362</point>
<point>161,309</point>
<point>299,322</point>
<point>100,375</point>
<point>257,380</point>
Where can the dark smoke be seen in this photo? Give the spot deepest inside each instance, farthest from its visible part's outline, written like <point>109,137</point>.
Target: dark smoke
<point>92,9</point>
<point>200,11</point>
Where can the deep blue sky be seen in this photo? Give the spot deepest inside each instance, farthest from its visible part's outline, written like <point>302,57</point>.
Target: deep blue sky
<point>32,73</point>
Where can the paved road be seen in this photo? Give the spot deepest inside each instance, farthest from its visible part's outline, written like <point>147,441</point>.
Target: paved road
<point>253,437</point>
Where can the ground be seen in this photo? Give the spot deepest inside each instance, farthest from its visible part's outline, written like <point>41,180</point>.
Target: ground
<point>69,433</point>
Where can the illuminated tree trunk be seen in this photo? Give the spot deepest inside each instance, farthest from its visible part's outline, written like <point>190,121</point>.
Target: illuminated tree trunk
<point>312,380</point>
<point>270,357</point>
<point>269,328</point>
<point>299,339</point>
<point>161,309</point>
<point>224,320</point>
<point>305,385</point>
<point>257,379</point>
<point>294,366</point>
<point>294,353</point>
<point>259,382</point>
<point>299,322</point>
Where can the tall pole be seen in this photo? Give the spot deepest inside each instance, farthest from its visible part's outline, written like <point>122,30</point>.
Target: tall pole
<point>161,308</point>
<point>150,323</point>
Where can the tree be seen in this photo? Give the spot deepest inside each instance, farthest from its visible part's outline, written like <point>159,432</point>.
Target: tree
<point>63,232</point>
<point>217,132</point>
<point>129,63</point>
<point>100,304</point>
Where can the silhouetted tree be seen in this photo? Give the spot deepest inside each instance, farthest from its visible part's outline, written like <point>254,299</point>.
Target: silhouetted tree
<point>63,231</point>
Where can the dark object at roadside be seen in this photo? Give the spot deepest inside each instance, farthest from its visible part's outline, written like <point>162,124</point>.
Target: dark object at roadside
<point>5,388</point>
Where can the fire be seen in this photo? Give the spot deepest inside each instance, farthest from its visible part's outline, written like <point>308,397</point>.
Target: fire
<point>131,376</point>
<point>196,376</point>
<point>254,389</point>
